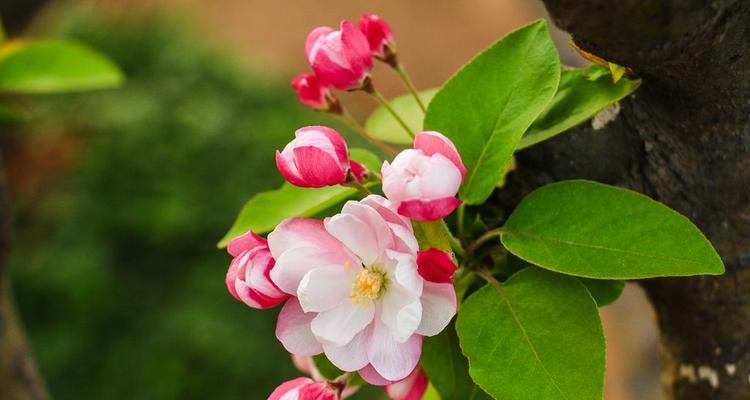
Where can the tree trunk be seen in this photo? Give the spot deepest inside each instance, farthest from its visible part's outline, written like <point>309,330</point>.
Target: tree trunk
<point>684,139</point>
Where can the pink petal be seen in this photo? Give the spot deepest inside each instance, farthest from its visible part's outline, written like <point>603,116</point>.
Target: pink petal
<point>359,171</point>
<point>287,387</point>
<point>393,360</point>
<point>377,31</point>
<point>435,265</point>
<point>304,232</point>
<point>356,235</point>
<point>371,376</point>
<point>431,142</point>
<point>244,242</point>
<point>294,263</point>
<point>356,49</point>
<point>293,330</point>
<point>438,308</point>
<point>374,221</point>
<point>325,138</point>
<point>412,387</point>
<point>317,391</point>
<point>326,287</point>
<point>313,37</point>
<point>317,168</point>
<point>428,210</point>
<point>288,170</point>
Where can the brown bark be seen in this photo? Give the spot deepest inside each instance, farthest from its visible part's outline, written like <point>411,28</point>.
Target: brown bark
<point>684,139</point>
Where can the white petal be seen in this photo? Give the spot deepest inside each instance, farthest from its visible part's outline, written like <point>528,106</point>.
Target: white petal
<point>339,325</point>
<point>301,232</point>
<point>293,330</point>
<point>405,272</point>
<point>391,359</point>
<point>401,311</point>
<point>438,307</point>
<point>352,356</point>
<point>374,221</point>
<point>294,263</point>
<point>355,235</point>
<point>324,288</point>
<point>441,179</point>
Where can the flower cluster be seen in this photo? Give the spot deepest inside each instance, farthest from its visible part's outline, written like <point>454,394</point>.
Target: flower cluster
<point>355,286</point>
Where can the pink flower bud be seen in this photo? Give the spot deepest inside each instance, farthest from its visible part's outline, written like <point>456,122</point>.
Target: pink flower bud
<point>435,265</point>
<point>342,58</point>
<point>317,157</point>
<point>378,33</point>
<point>359,171</point>
<point>311,92</point>
<point>248,278</point>
<point>304,389</point>
<point>410,388</point>
<point>423,181</point>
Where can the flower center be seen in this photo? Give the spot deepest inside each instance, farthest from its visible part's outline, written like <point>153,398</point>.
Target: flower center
<point>369,285</point>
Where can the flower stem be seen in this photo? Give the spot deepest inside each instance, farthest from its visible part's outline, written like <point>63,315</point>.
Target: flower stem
<point>409,85</point>
<point>485,238</point>
<point>370,89</point>
<point>460,213</point>
<point>362,189</point>
<point>349,120</point>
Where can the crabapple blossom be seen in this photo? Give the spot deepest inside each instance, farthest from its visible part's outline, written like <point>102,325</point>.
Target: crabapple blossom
<point>317,157</point>
<point>248,277</point>
<point>423,181</point>
<point>410,388</point>
<point>311,92</point>
<point>305,389</point>
<point>342,58</point>
<point>358,295</point>
<point>379,35</point>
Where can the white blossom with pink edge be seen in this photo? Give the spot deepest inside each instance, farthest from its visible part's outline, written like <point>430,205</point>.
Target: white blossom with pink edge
<point>304,389</point>
<point>248,277</point>
<point>342,58</point>
<point>358,293</point>
<point>422,182</point>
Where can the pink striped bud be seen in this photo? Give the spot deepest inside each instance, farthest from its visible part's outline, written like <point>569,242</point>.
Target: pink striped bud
<point>410,388</point>
<point>379,35</point>
<point>317,157</point>
<point>436,266</point>
<point>305,389</point>
<point>342,58</point>
<point>248,278</point>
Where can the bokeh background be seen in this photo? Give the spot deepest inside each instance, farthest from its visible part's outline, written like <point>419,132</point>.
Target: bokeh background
<point>120,196</point>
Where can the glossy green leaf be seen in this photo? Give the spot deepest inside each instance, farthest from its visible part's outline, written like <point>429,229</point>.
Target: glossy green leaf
<point>266,209</point>
<point>578,99</point>
<point>51,66</point>
<point>604,292</point>
<point>593,230</point>
<point>383,126</point>
<point>326,367</point>
<point>431,234</point>
<point>538,337</point>
<point>447,368</point>
<point>487,106</point>
<point>431,393</point>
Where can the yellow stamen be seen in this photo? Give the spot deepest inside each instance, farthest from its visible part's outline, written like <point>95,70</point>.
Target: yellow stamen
<point>367,287</point>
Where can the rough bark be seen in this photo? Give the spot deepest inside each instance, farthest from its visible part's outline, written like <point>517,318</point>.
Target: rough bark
<point>684,139</point>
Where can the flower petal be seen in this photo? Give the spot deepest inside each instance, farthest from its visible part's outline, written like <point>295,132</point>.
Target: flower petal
<point>293,264</point>
<point>326,287</point>
<point>428,210</point>
<point>371,376</point>
<point>339,325</point>
<point>431,142</point>
<point>412,387</point>
<point>317,168</point>
<point>356,235</point>
<point>289,387</point>
<point>293,330</point>
<point>438,308</point>
<point>244,242</point>
<point>391,359</point>
<point>401,312</point>
<point>351,356</point>
<point>435,265</point>
<point>303,232</point>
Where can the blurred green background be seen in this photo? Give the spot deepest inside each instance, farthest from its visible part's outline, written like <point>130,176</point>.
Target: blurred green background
<point>114,265</point>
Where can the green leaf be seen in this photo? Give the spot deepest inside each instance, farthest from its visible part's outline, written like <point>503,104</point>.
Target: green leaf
<point>487,106</point>
<point>266,209</point>
<point>326,367</point>
<point>51,66</point>
<point>447,368</point>
<point>578,99</point>
<point>370,160</point>
<point>604,292</point>
<point>536,337</point>
<point>598,231</point>
<point>431,393</point>
<point>383,126</point>
<point>431,234</point>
